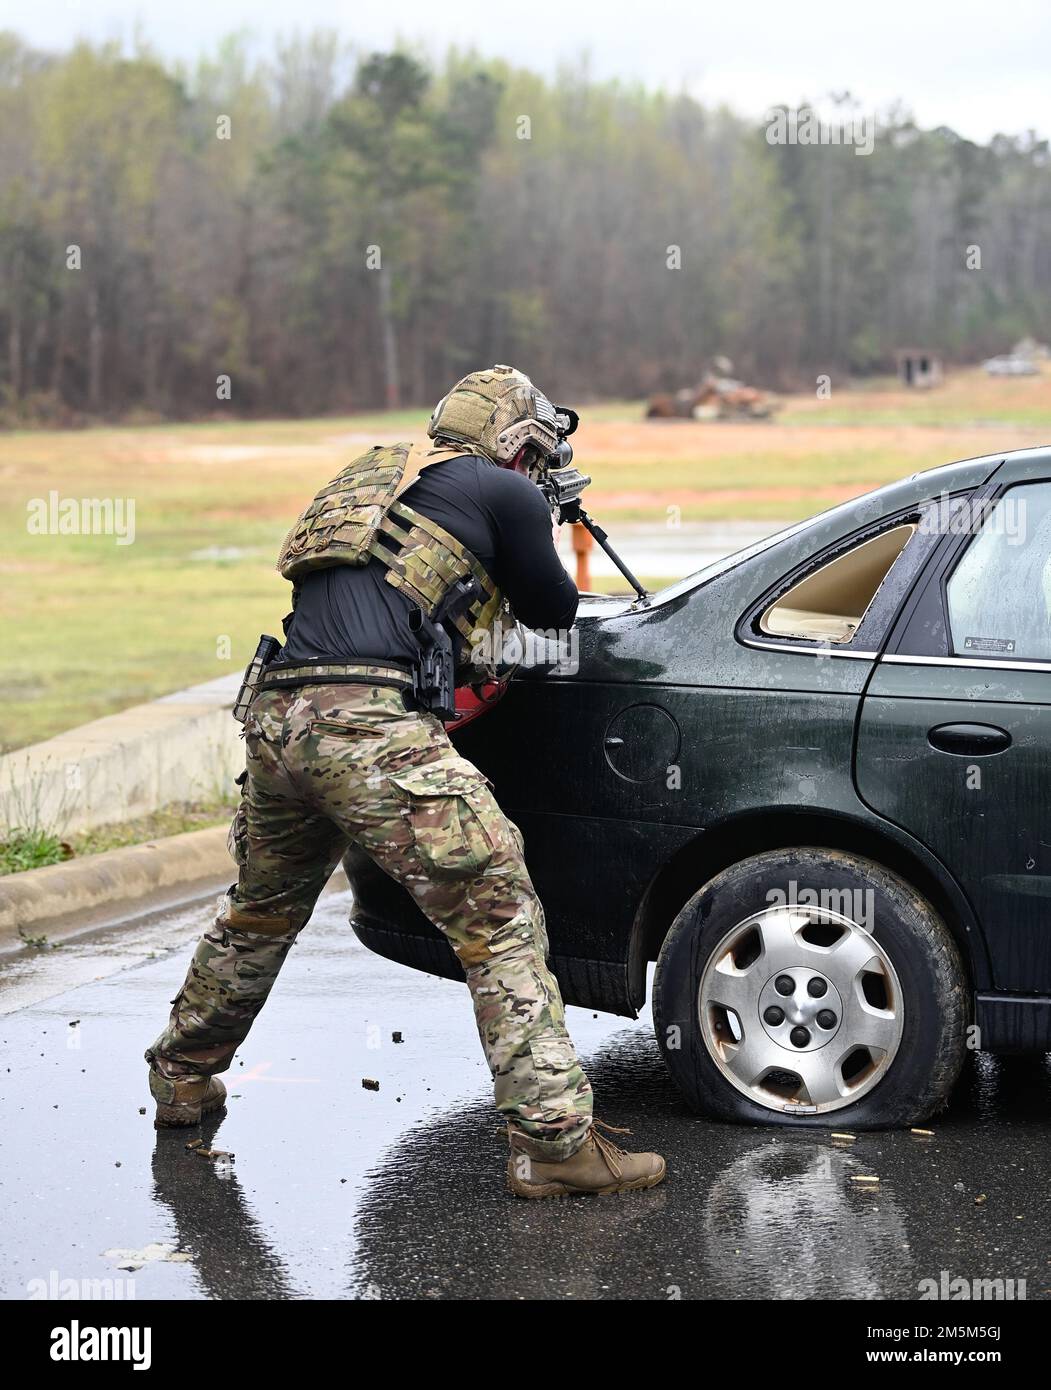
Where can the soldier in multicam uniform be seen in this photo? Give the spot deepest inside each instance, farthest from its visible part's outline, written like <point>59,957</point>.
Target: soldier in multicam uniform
<point>341,751</point>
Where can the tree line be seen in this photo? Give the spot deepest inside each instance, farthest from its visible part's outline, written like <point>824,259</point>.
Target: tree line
<point>327,231</point>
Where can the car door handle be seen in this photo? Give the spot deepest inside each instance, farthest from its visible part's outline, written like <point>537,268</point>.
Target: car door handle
<point>613,742</point>
<point>969,740</point>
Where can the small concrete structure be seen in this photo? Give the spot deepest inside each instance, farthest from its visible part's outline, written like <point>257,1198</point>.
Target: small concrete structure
<point>182,747</point>
<point>918,367</point>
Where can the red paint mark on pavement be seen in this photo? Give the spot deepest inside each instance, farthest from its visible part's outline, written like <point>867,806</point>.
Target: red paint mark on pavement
<point>256,1074</point>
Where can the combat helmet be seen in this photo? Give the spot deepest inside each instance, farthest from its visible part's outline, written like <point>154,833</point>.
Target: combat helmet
<point>496,412</point>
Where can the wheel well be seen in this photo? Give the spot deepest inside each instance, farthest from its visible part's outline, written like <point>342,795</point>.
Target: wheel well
<point>696,863</point>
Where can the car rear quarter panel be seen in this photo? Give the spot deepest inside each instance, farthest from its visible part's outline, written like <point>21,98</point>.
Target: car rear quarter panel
<point>755,729</point>
<point>760,731</point>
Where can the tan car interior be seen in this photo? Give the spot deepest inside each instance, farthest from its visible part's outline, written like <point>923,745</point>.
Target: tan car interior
<point>828,606</point>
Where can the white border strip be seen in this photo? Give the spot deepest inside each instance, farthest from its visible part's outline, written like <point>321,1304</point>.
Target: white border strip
<point>975,662</point>
<point>806,651</point>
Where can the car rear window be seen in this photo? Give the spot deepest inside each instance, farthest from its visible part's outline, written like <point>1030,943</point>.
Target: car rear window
<point>828,605</point>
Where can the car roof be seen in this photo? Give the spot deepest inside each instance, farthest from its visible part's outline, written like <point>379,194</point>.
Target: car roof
<point>828,526</point>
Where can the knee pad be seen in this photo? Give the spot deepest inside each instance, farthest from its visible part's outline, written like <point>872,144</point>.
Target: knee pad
<point>231,917</point>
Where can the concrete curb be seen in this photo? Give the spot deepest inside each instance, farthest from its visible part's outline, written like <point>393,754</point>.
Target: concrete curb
<point>42,898</point>
<point>182,747</point>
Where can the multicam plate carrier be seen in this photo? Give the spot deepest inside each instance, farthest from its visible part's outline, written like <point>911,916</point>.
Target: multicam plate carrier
<point>358,517</point>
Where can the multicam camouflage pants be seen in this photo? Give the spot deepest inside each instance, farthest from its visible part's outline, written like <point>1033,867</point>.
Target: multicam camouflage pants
<point>330,765</point>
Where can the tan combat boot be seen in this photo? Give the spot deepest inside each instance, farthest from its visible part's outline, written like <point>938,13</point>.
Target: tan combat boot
<point>182,1100</point>
<point>598,1167</point>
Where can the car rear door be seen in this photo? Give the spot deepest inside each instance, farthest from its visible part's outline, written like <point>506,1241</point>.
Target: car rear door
<point>954,738</point>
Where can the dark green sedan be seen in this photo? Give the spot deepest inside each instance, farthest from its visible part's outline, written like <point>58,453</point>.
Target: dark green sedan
<point>813,783</point>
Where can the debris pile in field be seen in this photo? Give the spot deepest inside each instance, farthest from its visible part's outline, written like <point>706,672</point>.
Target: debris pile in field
<point>1026,358</point>
<point>1009,365</point>
<point>718,396</point>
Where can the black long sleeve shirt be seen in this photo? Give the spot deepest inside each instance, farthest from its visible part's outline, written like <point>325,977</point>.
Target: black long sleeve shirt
<point>348,612</point>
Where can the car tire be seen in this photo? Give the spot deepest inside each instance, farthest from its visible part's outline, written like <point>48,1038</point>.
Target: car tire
<point>920,989</point>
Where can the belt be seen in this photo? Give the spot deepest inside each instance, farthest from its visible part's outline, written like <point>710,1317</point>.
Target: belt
<point>337,673</point>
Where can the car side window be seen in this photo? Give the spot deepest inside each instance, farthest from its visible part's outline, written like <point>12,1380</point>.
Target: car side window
<point>999,594</point>
<point>830,604</point>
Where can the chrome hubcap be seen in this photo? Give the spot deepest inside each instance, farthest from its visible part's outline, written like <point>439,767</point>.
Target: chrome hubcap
<point>800,1008</point>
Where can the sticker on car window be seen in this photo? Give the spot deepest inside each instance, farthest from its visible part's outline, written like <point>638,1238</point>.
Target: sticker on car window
<point>988,644</point>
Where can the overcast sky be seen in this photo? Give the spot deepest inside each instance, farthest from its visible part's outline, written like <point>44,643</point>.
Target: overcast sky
<point>975,66</point>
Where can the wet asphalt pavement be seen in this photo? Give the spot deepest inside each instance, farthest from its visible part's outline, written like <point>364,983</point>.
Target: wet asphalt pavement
<point>334,1190</point>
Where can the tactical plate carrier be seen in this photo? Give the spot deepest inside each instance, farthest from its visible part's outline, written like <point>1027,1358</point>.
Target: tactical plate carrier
<point>358,517</point>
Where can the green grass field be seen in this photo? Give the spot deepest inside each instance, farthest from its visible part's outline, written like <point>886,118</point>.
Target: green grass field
<point>91,627</point>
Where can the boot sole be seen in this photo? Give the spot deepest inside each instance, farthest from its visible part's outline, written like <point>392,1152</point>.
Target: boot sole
<point>534,1190</point>
<point>185,1116</point>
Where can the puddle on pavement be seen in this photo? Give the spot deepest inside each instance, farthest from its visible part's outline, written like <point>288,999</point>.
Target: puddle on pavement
<point>336,1190</point>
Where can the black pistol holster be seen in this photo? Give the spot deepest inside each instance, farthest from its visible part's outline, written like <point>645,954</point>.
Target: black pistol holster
<point>434,672</point>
